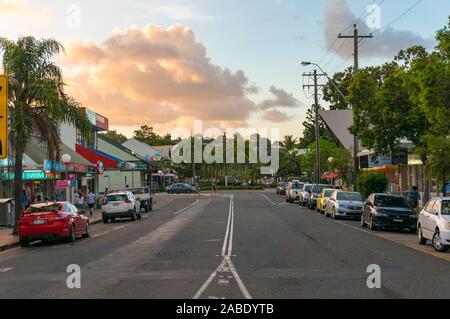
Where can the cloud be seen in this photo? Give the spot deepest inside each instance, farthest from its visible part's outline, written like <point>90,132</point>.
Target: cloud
<point>22,9</point>
<point>276,116</point>
<point>282,99</point>
<point>156,76</point>
<point>386,43</point>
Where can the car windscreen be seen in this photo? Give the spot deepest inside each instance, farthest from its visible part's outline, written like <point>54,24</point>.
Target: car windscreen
<point>137,191</point>
<point>44,208</point>
<point>308,188</point>
<point>390,201</point>
<point>328,193</point>
<point>445,207</point>
<point>349,196</point>
<point>283,184</point>
<point>318,188</point>
<point>296,186</point>
<point>116,198</point>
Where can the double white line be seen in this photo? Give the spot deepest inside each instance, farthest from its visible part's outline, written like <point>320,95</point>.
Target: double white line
<point>226,263</point>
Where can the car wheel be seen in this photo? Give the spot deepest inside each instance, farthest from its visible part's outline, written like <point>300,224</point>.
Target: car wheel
<point>133,216</point>
<point>72,236</point>
<point>421,239</point>
<point>334,215</point>
<point>87,234</point>
<point>437,242</point>
<point>24,242</point>
<point>363,223</point>
<point>371,225</point>
<point>105,220</point>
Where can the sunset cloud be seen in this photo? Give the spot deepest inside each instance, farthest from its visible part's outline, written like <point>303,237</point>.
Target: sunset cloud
<point>282,99</point>
<point>155,76</point>
<point>22,9</point>
<point>386,43</point>
<point>276,116</point>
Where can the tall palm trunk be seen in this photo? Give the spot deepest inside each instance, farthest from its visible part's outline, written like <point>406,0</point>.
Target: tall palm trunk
<point>18,186</point>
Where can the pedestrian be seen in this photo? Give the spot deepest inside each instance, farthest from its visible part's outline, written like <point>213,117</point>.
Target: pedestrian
<point>80,202</point>
<point>38,199</point>
<point>414,198</point>
<point>91,201</point>
<point>214,187</point>
<point>25,200</point>
<point>76,196</point>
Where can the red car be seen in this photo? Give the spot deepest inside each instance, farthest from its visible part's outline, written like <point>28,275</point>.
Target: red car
<point>55,220</point>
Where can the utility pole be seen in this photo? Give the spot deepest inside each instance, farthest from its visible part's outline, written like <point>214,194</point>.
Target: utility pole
<point>316,86</point>
<point>355,38</point>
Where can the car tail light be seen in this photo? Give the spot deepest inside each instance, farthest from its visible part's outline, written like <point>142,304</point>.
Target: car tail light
<point>127,201</point>
<point>105,202</point>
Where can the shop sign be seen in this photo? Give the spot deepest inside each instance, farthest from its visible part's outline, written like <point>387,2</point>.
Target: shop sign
<point>27,175</point>
<point>49,165</point>
<point>379,160</point>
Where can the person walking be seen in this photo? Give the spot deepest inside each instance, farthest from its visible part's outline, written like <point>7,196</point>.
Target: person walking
<point>80,202</point>
<point>76,196</point>
<point>91,202</point>
<point>25,200</point>
<point>214,187</point>
<point>414,198</point>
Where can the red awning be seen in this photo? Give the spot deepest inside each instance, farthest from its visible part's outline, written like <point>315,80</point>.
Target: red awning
<point>94,157</point>
<point>330,176</point>
<point>61,185</point>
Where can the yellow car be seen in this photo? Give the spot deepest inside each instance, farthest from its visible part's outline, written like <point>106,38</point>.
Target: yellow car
<point>323,199</point>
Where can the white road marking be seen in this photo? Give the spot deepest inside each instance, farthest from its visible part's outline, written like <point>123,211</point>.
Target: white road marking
<point>182,210</point>
<point>2,270</point>
<point>226,265</point>
<point>120,227</point>
<point>273,203</point>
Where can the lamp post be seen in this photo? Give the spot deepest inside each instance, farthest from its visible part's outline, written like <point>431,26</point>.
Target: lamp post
<point>355,140</point>
<point>66,159</point>
<point>331,161</point>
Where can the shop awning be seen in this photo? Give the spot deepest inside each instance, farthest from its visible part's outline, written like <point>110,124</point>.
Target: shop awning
<point>95,156</point>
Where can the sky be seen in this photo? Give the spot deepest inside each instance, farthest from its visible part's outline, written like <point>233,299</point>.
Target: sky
<point>230,63</point>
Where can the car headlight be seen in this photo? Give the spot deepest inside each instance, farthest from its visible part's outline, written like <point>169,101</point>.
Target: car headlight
<point>381,213</point>
<point>447,226</point>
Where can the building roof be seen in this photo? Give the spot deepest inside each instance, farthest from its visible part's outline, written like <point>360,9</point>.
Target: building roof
<point>114,148</point>
<point>38,152</point>
<point>339,121</point>
<point>139,148</point>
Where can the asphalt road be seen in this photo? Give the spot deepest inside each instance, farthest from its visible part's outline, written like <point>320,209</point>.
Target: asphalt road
<point>233,246</point>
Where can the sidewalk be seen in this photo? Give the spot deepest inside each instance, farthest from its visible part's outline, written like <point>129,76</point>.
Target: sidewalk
<point>8,241</point>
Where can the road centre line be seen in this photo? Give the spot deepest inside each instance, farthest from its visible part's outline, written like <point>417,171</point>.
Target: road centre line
<point>182,210</point>
<point>226,263</point>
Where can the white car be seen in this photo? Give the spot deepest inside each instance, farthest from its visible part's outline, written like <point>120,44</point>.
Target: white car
<point>434,224</point>
<point>121,205</point>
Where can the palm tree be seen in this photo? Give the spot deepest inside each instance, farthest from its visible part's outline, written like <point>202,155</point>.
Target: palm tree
<point>37,102</point>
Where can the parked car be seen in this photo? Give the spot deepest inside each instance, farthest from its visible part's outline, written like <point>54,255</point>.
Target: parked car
<point>281,188</point>
<point>315,193</point>
<point>348,205</point>
<point>386,211</point>
<point>50,221</point>
<point>120,205</point>
<point>144,195</point>
<point>323,199</point>
<point>181,188</point>
<point>304,195</point>
<point>292,191</point>
<point>434,224</point>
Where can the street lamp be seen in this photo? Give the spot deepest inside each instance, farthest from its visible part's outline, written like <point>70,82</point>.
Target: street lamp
<point>66,158</point>
<point>355,140</point>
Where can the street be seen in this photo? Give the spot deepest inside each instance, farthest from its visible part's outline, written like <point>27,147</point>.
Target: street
<point>234,245</point>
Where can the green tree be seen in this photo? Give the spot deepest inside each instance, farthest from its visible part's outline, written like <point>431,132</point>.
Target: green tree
<point>333,96</point>
<point>116,136</point>
<point>146,135</point>
<point>371,182</point>
<point>37,101</point>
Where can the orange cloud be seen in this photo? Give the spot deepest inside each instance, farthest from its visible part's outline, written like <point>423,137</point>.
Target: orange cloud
<point>155,76</point>
<point>21,9</point>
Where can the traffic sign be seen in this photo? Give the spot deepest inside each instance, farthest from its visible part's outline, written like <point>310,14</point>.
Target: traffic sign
<point>3,117</point>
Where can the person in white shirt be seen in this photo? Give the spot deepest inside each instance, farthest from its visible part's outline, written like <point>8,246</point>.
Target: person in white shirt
<point>91,201</point>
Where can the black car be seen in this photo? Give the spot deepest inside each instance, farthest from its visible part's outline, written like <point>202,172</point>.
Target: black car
<point>281,188</point>
<point>180,188</point>
<point>386,211</point>
<point>315,193</point>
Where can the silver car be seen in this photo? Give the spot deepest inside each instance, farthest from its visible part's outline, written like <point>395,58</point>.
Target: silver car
<point>348,205</point>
